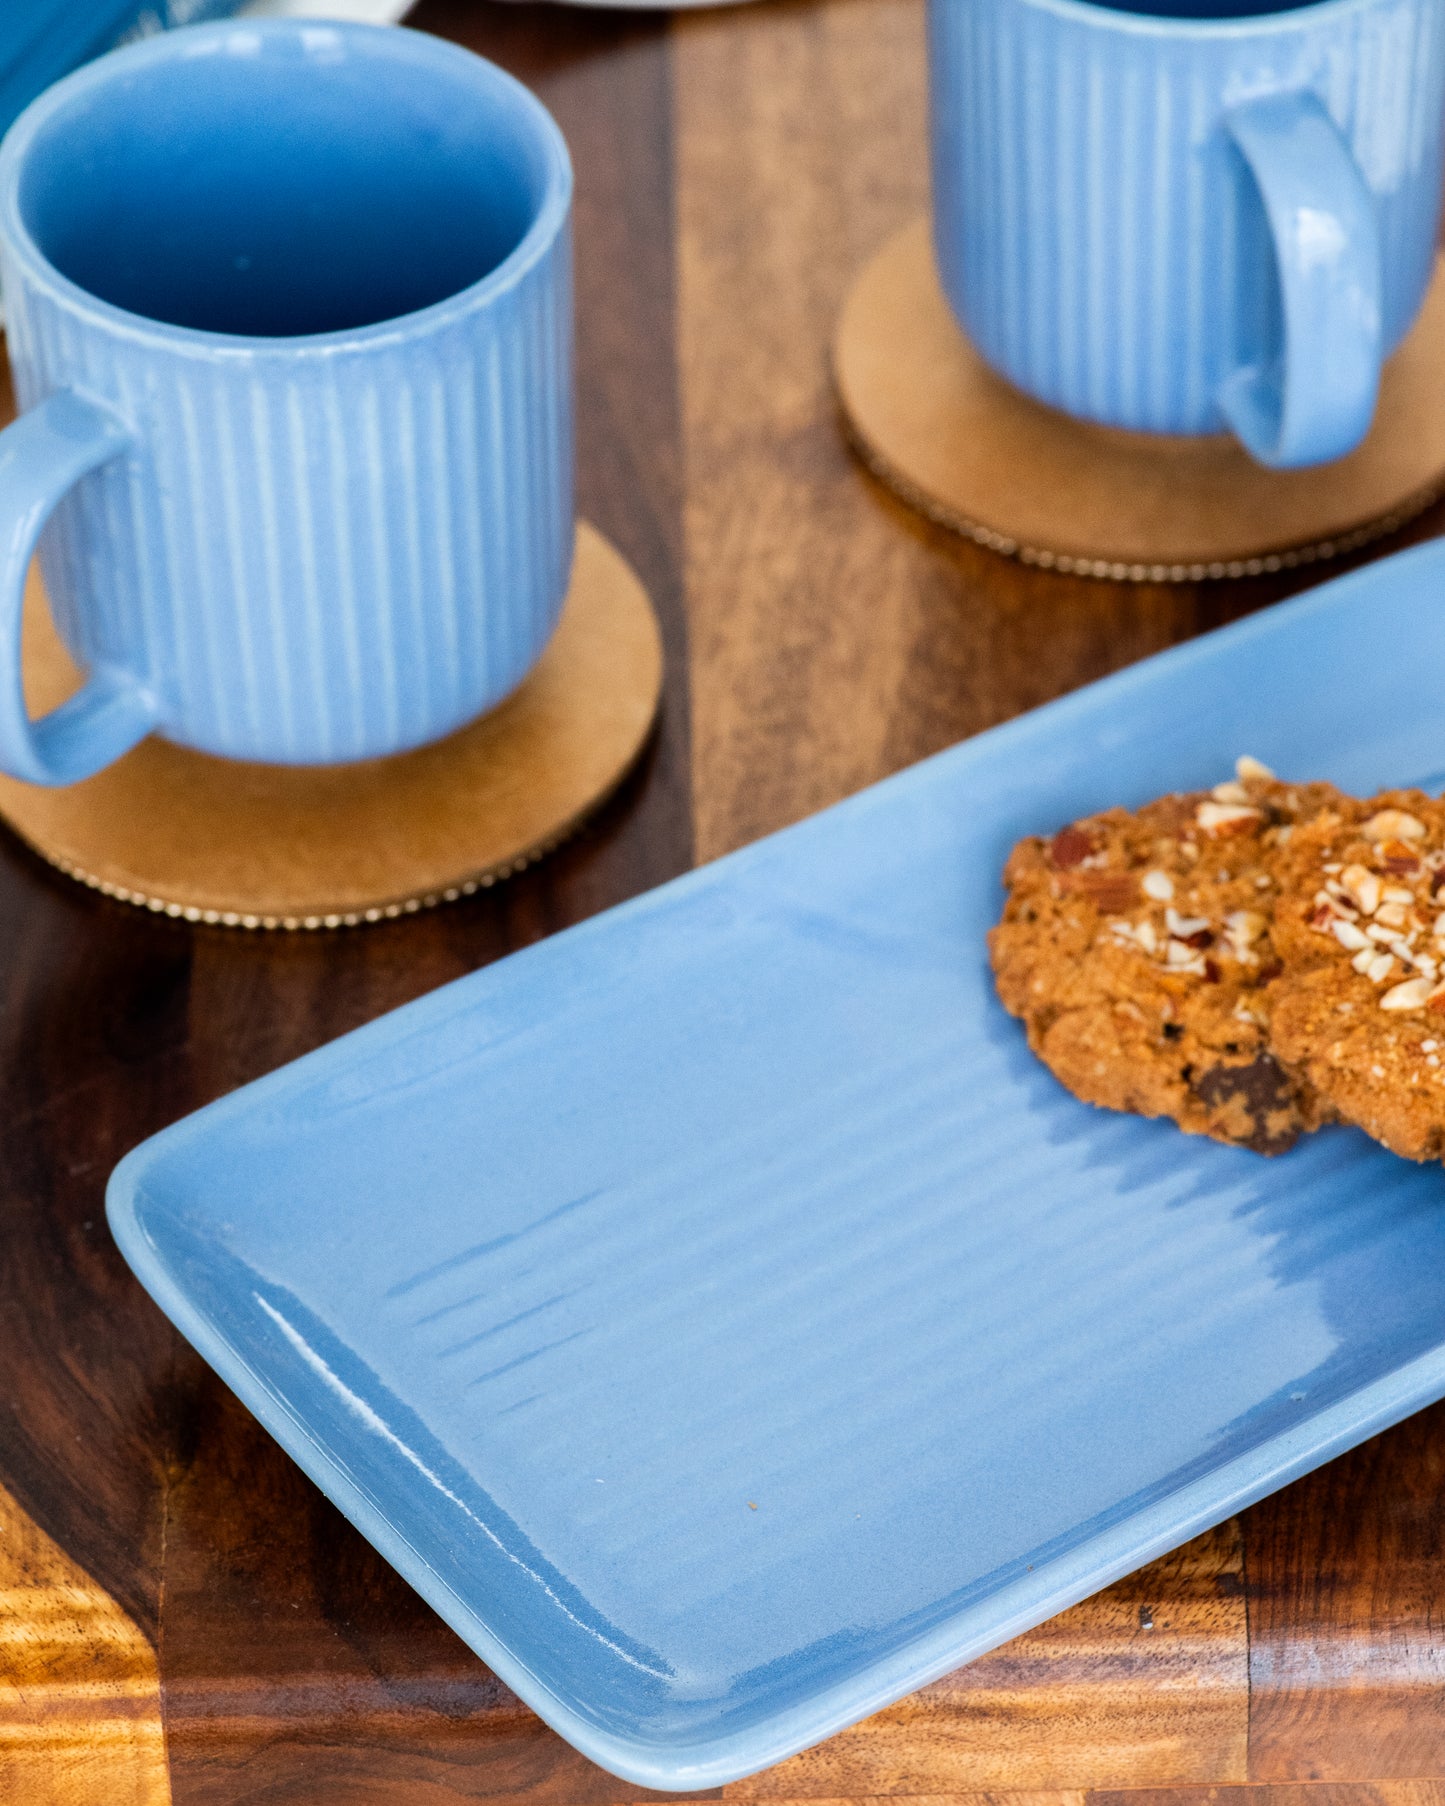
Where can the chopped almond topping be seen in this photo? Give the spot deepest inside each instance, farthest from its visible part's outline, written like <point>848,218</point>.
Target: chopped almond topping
<point>1413,994</point>
<point>1349,936</point>
<point>1246,767</point>
<point>1159,886</point>
<point>1230,792</point>
<point>1393,824</point>
<point>1361,887</point>
<point>1227,818</point>
<point>1183,925</point>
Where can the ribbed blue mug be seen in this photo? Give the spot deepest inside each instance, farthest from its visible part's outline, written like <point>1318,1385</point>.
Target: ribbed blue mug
<point>1188,216</point>
<point>289,314</point>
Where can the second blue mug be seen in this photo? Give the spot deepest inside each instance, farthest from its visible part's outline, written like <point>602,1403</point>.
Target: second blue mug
<point>1190,215</point>
<point>289,314</point>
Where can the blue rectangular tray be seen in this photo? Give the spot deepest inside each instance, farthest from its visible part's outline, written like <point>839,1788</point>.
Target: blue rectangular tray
<point>725,1323</point>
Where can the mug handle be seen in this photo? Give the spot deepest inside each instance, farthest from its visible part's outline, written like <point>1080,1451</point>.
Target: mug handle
<point>44,454</point>
<point>1317,401</point>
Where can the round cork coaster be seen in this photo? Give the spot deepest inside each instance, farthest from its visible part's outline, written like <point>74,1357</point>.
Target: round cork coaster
<point>970,451</point>
<point>268,846</point>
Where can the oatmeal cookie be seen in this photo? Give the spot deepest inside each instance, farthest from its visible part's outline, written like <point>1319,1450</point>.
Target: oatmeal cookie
<point>1137,947</point>
<point>1359,1006</point>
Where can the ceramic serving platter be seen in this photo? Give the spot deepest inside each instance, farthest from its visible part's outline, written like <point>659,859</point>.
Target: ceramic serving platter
<point>723,1321</point>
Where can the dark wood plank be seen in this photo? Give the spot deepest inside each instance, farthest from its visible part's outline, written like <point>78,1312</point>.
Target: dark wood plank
<point>92,1057</point>
<point>1346,1598</point>
<point>1351,1793</point>
<point>1146,1683</point>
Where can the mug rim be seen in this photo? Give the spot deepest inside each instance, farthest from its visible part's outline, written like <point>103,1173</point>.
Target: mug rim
<point>392,41</point>
<point>1101,15</point>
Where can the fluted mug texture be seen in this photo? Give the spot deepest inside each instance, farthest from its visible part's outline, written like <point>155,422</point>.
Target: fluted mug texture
<point>1189,216</point>
<point>290,320</point>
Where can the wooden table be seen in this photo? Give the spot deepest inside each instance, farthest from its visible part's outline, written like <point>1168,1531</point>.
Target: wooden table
<point>181,1614</point>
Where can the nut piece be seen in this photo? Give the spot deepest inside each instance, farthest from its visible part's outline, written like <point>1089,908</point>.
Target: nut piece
<point>1361,887</point>
<point>1349,936</point>
<point>1246,767</point>
<point>1393,824</point>
<point>1230,792</point>
<point>1159,886</point>
<point>1412,995</point>
<point>1380,967</point>
<point>1071,846</point>
<point>1227,818</point>
<point>1194,930</point>
<point>1400,857</point>
<point>1111,893</point>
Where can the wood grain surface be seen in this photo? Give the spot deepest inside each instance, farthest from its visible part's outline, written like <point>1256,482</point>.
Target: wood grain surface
<point>734,169</point>
<point>80,1696</point>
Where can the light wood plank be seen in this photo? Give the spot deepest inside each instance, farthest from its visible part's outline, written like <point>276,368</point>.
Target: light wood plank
<point>80,1699</point>
<point>801,592</point>
<point>833,637</point>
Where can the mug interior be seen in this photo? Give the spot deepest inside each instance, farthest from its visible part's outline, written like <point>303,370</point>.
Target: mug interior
<point>1203,9</point>
<point>275,184</point>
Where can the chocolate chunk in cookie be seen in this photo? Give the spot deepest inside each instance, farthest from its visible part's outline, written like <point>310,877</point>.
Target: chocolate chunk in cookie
<point>1138,949</point>
<point>1359,1006</point>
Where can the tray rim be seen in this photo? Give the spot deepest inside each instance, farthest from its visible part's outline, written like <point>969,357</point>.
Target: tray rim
<point>693,1763</point>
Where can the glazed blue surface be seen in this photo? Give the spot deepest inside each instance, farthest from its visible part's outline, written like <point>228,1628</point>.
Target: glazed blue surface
<point>1190,222</point>
<point>289,305</point>
<point>41,40</point>
<point>723,1320</point>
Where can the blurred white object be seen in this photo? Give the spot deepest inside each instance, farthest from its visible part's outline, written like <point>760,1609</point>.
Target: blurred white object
<point>368,12</point>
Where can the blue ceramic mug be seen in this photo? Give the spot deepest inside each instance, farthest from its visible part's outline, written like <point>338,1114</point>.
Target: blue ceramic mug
<point>289,315</point>
<point>1182,216</point>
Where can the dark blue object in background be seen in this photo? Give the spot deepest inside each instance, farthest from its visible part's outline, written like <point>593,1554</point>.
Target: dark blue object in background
<point>41,40</point>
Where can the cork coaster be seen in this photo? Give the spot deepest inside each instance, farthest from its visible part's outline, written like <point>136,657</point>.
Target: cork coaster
<point>267,846</point>
<point>973,453</point>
